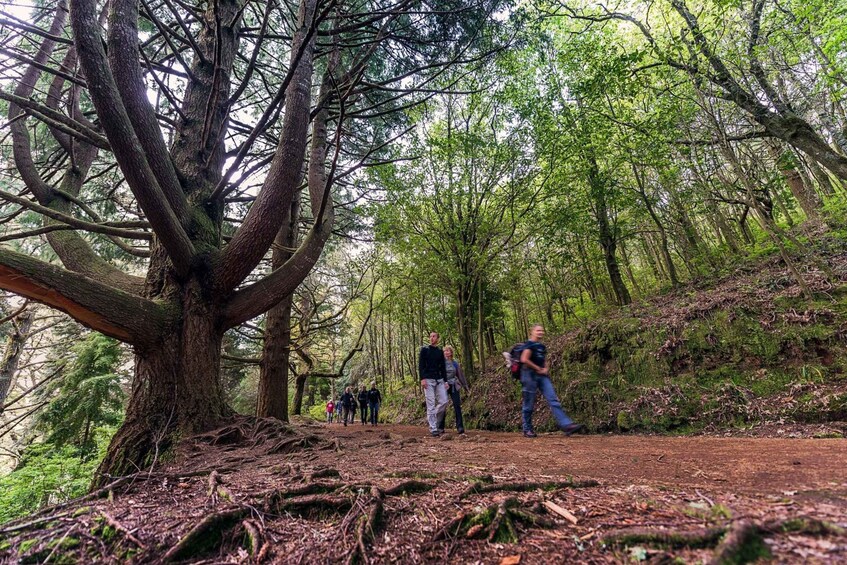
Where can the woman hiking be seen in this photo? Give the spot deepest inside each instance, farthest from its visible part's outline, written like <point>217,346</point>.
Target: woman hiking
<point>456,382</point>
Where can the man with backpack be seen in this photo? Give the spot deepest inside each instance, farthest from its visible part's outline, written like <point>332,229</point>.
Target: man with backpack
<point>433,375</point>
<point>535,378</point>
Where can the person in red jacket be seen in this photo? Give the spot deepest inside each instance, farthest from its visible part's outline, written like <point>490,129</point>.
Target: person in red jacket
<point>330,408</point>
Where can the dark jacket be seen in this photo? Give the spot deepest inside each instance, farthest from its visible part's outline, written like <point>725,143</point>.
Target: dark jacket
<point>431,363</point>
<point>374,397</point>
<point>460,376</point>
<point>347,399</point>
<point>363,397</point>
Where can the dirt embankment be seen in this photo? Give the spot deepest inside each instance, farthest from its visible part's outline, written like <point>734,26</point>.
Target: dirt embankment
<point>330,494</point>
<point>745,354</point>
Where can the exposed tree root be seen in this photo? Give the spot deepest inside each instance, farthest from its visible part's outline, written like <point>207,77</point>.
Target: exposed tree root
<point>738,542</point>
<point>327,473</point>
<point>741,544</point>
<point>694,539</point>
<point>264,435</point>
<point>309,488</point>
<point>314,503</point>
<point>409,487</point>
<point>254,537</point>
<point>367,526</point>
<point>209,534</point>
<point>497,523</point>
<point>218,490</point>
<point>480,487</point>
<point>807,526</point>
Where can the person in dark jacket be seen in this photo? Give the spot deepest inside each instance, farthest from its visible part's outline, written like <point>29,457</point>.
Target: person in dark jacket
<point>433,375</point>
<point>363,404</point>
<point>456,381</point>
<point>374,399</point>
<point>347,404</point>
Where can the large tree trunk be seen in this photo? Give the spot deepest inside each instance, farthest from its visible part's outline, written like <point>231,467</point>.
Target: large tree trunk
<point>176,391</point>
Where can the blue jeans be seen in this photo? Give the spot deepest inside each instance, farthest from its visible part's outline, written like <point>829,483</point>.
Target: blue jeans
<point>531,383</point>
<point>453,394</point>
<point>374,413</point>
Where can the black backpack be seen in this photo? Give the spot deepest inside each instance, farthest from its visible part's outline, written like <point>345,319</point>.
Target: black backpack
<point>513,360</point>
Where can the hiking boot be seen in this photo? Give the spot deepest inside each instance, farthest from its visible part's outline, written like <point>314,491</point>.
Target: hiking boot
<point>571,429</point>
<point>530,433</point>
<point>435,433</point>
<point>460,431</point>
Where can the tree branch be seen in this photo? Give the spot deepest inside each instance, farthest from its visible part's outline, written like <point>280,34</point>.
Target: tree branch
<point>125,143</point>
<point>100,307</point>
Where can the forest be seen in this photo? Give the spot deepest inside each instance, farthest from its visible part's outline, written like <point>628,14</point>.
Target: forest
<point>217,215</point>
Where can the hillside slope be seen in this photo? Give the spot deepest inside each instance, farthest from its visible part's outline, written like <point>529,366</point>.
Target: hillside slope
<point>744,352</point>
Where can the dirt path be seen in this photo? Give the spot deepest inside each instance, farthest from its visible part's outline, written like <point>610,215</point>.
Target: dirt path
<point>329,494</point>
<point>763,466</point>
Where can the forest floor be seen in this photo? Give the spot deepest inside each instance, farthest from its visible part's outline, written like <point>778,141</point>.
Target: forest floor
<point>315,493</point>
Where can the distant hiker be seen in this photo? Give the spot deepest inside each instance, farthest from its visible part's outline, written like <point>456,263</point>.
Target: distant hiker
<point>330,408</point>
<point>354,407</point>
<point>374,400</point>
<point>363,404</point>
<point>535,377</point>
<point>347,404</point>
<point>456,381</point>
<point>433,374</point>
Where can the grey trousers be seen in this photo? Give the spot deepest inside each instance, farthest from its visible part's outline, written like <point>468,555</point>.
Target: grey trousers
<point>436,402</point>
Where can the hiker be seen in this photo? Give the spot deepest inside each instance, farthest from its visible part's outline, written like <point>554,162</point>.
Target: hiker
<point>347,404</point>
<point>374,399</point>
<point>433,374</point>
<point>456,381</point>
<point>363,404</point>
<point>330,408</point>
<point>353,407</point>
<point>535,377</point>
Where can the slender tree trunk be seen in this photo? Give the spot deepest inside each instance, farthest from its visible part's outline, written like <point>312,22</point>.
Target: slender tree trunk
<point>464,321</point>
<point>276,350</point>
<point>628,268</point>
<point>588,272</point>
<point>480,326</point>
<point>785,163</point>
<point>15,343</point>
<point>663,235</point>
<point>299,388</point>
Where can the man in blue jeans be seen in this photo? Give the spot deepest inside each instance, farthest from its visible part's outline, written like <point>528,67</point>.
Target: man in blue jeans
<point>534,378</point>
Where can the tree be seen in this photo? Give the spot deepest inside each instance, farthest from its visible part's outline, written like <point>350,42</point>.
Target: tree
<point>459,209</point>
<point>715,43</point>
<point>203,173</point>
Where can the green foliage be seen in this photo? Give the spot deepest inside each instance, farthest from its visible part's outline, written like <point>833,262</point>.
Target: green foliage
<point>89,396</point>
<point>317,412</point>
<point>49,474</point>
